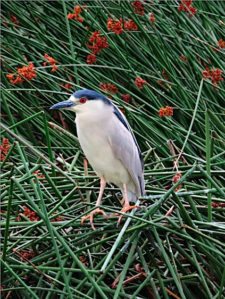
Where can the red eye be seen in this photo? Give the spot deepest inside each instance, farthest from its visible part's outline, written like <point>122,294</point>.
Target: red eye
<point>83,100</point>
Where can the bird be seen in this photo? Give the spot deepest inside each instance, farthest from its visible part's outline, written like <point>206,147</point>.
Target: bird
<point>109,145</point>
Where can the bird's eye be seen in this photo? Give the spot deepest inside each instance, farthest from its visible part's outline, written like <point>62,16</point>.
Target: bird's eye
<point>83,100</point>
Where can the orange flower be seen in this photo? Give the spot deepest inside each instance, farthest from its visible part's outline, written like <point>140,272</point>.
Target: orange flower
<point>214,74</point>
<point>115,26</point>
<point>108,87</point>
<point>186,5</point>
<point>51,61</point>
<point>138,8</point>
<point>221,43</point>
<point>4,148</point>
<point>76,15</point>
<point>152,17</point>
<point>139,82</point>
<point>91,58</point>
<point>166,111</point>
<point>27,72</point>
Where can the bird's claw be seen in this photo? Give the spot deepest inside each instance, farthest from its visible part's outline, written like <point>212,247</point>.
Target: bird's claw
<point>125,209</point>
<point>91,216</point>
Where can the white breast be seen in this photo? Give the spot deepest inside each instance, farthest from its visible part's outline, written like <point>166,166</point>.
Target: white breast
<point>92,128</point>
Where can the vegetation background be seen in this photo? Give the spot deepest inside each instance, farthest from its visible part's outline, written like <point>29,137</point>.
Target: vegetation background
<point>162,63</point>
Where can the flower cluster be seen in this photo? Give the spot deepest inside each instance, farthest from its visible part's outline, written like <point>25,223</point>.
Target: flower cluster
<point>4,148</point>
<point>221,43</point>
<point>126,97</point>
<point>108,87</point>
<point>186,5</point>
<point>76,15</point>
<point>51,61</point>
<point>25,72</point>
<point>175,179</point>
<point>96,44</point>
<point>215,75</point>
<point>57,218</point>
<point>218,204</point>
<point>130,25</point>
<point>139,82</point>
<point>25,254</point>
<point>166,111</point>
<point>183,58</point>
<point>117,26</point>
<point>30,214</point>
<point>138,8</point>
<point>14,20</point>
<point>91,59</point>
<point>38,174</point>
<point>152,17</point>
<point>67,86</point>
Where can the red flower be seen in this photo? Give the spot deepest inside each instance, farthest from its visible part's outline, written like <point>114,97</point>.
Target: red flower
<point>176,177</point>
<point>126,97</point>
<point>130,25</point>
<point>221,43</point>
<point>4,148</point>
<point>25,254</point>
<point>30,214</point>
<point>97,42</point>
<point>152,17</point>
<point>39,175</point>
<point>186,5</point>
<point>138,7</point>
<point>27,72</point>
<point>139,82</point>
<point>115,26</point>
<point>70,16</point>
<point>214,74</point>
<point>91,58</point>
<point>76,15</point>
<point>166,111</point>
<point>57,218</point>
<point>108,87</point>
<point>183,58</point>
<point>67,86</point>
<point>218,204</point>
<point>14,20</point>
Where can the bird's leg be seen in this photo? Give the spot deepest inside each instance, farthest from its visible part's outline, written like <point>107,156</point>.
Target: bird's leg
<point>98,202</point>
<point>126,207</point>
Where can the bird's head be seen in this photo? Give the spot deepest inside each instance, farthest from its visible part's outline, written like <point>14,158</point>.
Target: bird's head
<point>84,100</point>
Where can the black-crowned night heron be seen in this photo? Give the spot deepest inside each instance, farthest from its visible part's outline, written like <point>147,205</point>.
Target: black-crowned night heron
<point>109,145</point>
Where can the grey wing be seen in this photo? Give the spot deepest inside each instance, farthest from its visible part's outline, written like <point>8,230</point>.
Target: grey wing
<point>125,148</point>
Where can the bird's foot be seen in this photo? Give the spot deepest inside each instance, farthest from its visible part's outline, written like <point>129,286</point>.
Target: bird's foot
<point>125,209</point>
<point>91,216</point>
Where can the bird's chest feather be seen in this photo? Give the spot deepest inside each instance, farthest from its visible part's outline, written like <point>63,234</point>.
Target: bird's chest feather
<point>94,140</point>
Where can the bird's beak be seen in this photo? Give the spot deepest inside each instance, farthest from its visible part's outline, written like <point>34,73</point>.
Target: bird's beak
<point>63,105</point>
